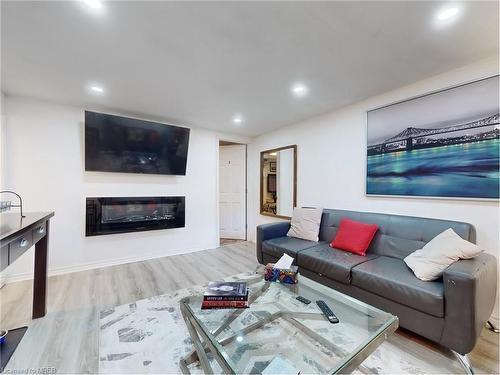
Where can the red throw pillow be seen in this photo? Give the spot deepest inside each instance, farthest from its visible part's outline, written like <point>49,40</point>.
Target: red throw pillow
<point>354,236</point>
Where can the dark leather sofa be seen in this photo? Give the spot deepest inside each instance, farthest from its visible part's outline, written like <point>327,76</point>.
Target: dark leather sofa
<point>450,311</point>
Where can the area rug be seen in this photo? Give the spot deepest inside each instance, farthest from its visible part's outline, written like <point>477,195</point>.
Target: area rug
<point>150,336</point>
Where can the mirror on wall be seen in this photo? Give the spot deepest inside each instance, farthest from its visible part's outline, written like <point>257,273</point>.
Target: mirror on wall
<point>278,181</point>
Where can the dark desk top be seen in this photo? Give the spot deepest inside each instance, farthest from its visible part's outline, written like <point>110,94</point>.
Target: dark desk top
<point>11,224</point>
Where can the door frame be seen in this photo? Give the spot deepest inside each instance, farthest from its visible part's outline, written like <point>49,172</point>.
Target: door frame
<point>217,200</point>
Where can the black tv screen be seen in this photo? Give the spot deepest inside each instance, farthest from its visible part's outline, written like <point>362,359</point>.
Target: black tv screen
<point>271,183</point>
<point>121,144</point>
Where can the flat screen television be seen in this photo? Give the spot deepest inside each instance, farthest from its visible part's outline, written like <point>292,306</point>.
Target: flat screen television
<point>121,144</point>
<point>271,183</point>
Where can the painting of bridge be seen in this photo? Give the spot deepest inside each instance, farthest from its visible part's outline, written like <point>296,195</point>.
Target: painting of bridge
<point>444,144</point>
<point>415,138</point>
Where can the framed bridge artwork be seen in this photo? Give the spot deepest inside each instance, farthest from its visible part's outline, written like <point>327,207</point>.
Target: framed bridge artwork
<point>444,144</point>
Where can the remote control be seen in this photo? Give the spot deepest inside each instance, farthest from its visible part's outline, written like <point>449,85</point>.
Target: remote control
<point>303,300</point>
<point>327,312</point>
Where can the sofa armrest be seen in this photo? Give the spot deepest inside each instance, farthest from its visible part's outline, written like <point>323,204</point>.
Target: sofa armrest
<point>268,231</point>
<point>470,288</point>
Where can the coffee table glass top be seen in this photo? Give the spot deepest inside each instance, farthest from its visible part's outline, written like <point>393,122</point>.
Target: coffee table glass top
<point>279,332</point>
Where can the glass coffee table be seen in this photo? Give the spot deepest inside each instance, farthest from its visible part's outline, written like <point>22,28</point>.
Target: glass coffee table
<point>279,334</point>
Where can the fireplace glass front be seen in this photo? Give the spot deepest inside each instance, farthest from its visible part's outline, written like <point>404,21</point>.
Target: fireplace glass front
<point>107,215</point>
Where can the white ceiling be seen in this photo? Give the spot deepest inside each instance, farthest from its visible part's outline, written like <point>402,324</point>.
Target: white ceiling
<point>198,64</point>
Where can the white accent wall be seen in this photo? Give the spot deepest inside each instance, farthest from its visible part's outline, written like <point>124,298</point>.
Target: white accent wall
<point>44,162</point>
<point>331,156</point>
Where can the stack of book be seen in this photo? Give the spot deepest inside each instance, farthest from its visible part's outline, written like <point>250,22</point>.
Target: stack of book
<point>225,295</point>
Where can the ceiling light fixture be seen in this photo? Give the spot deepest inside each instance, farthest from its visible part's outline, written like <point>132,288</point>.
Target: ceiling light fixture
<point>237,119</point>
<point>447,13</point>
<point>299,90</point>
<point>96,89</point>
<point>94,4</point>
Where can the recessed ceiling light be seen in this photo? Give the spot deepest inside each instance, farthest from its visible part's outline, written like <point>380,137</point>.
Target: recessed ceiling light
<point>237,119</point>
<point>447,13</point>
<point>96,89</point>
<point>94,4</point>
<point>94,7</point>
<point>299,90</point>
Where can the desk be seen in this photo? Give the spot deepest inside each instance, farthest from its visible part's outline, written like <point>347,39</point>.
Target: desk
<point>17,235</point>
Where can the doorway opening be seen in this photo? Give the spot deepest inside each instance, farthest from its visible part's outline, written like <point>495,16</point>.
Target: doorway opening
<point>232,192</point>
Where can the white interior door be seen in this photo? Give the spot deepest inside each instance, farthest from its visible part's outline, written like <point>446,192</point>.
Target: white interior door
<point>232,191</point>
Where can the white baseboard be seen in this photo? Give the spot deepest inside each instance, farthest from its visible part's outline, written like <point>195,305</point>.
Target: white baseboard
<point>94,265</point>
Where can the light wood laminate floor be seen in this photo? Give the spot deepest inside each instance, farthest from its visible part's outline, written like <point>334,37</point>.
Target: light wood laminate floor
<point>229,241</point>
<point>67,337</point>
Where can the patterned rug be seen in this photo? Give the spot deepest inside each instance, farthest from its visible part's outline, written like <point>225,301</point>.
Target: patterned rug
<point>150,336</point>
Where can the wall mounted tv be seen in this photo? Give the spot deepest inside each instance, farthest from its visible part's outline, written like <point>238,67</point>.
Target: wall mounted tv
<point>121,144</point>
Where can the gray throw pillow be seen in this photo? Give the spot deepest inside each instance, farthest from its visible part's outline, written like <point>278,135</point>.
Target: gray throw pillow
<point>305,223</point>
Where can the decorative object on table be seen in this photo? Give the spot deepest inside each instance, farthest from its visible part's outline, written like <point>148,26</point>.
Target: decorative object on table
<point>223,294</point>
<point>285,276</point>
<point>7,205</point>
<point>443,144</point>
<point>305,223</point>
<point>288,276</point>
<point>429,262</point>
<point>281,271</point>
<point>226,304</point>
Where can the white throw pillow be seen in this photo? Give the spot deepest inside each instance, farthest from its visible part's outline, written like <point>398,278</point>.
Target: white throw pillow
<point>305,223</point>
<point>443,250</point>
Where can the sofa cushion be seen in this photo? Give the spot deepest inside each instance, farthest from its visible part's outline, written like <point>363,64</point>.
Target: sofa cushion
<point>443,250</point>
<point>305,223</point>
<point>333,263</point>
<point>289,245</point>
<point>354,236</point>
<point>392,279</point>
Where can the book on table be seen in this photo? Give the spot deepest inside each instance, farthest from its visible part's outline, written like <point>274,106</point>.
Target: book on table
<point>225,294</point>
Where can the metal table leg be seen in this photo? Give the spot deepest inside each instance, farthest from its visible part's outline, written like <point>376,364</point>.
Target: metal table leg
<point>464,361</point>
<point>492,327</point>
<point>198,346</point>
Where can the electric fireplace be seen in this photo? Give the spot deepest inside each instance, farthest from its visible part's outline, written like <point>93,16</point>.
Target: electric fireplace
<point>108,215</point>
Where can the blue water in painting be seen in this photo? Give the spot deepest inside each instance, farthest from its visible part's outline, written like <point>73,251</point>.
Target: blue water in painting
<point>464,170</point>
